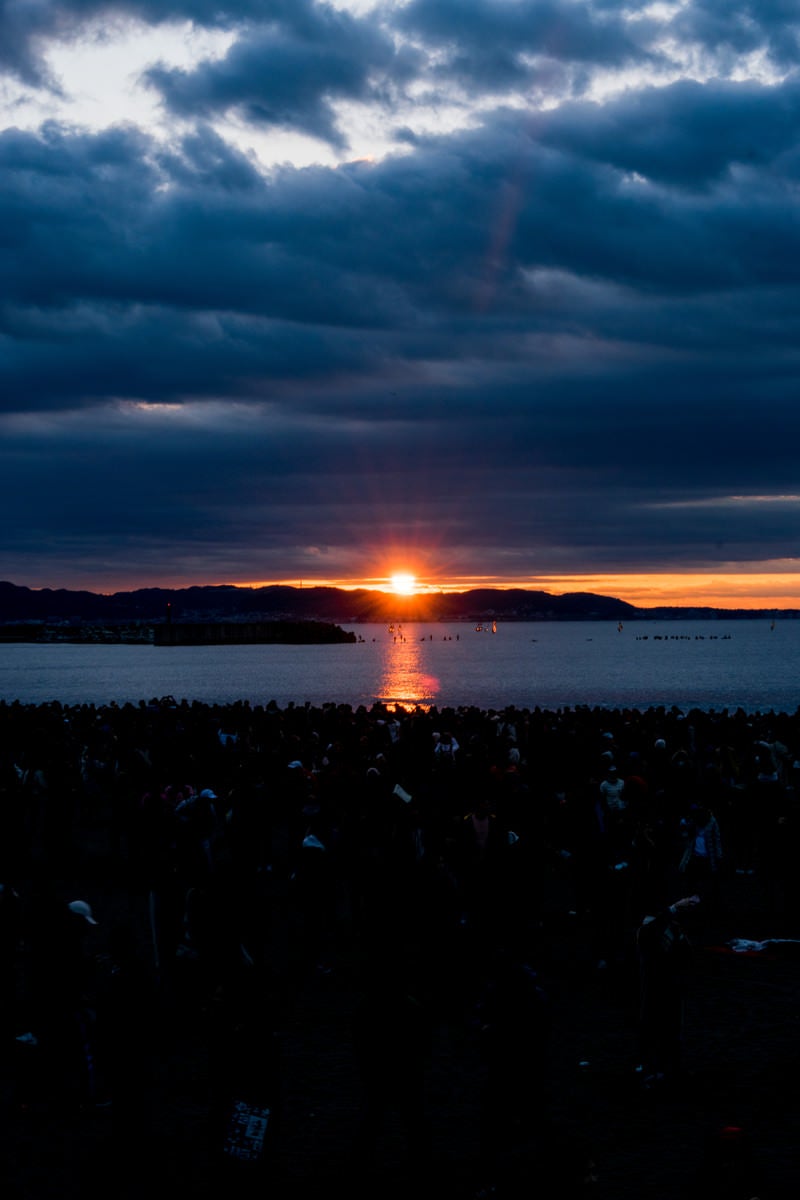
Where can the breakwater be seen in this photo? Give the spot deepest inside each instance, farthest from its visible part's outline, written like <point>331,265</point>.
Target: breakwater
<point>80,634</point>
<point>237,633</point>
<point>189,633</point>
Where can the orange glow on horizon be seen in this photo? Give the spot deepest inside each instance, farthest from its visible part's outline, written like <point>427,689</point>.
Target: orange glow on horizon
<point>723,590</point>
<point>746,588</point>
<point>690,589</point>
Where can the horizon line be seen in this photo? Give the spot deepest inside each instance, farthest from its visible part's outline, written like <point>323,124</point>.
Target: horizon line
<point>726,592</point>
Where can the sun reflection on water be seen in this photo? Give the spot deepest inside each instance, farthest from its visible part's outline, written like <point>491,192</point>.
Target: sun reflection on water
<point>403,678</point>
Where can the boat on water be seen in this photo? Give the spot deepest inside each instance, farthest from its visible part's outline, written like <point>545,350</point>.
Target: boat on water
<point>481,628</point>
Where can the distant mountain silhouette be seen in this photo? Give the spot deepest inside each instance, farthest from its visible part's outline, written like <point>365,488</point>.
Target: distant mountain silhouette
<point>227,602</point>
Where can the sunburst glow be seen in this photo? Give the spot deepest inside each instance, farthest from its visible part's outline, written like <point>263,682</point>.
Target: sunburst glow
<point>403,584</point>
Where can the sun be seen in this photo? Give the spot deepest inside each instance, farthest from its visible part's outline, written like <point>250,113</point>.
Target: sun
<point>403,584</point>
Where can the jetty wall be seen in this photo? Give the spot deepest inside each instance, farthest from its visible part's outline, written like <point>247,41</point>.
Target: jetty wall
<point>237,633</point>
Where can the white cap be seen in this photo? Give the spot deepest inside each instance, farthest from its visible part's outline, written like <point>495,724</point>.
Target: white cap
<point>82,909</point>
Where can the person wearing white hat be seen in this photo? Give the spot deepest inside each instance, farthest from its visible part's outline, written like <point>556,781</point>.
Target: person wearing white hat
<point>58,995</point>
<point>82,909</point>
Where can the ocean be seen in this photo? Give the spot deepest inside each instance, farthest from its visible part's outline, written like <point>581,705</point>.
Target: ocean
<point>751,664</point>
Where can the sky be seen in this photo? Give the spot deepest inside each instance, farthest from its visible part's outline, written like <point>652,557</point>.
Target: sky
<point>490,292</point>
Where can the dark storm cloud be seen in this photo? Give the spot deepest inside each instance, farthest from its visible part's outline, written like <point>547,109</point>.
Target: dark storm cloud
<point>505,239</point>
<point>561,339</point>
<point>686,134</point>
<point>260,502</point>
<point>491,43</point>
<point>453,228</point>
<point>729,31</point>
<point>459,229</point>
<point>288,75</point>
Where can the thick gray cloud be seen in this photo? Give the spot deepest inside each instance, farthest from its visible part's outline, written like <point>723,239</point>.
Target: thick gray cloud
<point>561,338</point>
<point>500,44</point>
<point>732,30</point>
<point>286,73</point>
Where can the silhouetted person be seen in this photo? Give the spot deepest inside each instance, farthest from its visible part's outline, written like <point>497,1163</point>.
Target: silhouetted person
<point>664,952</point>
<point>126,1037</point>
<point>702,857</point>
<point>10,935</point>
<point>59,994</point>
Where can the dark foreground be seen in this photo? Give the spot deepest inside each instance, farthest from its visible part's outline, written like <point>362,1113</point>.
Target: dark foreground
<point>742,1059</point>
<point>91,811</point>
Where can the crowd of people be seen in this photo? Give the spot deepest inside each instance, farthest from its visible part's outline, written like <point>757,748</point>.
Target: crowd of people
<point>415,845</point>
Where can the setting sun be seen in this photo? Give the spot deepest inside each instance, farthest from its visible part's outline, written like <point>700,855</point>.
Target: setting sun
<point>403,584</point>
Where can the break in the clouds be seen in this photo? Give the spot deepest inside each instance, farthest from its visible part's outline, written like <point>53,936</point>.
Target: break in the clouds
<point>496,288</point>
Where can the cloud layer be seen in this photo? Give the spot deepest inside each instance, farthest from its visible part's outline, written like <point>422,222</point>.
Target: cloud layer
<point>551,328</point>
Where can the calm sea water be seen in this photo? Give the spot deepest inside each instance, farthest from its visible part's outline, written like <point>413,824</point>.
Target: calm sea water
<point>704,664</point>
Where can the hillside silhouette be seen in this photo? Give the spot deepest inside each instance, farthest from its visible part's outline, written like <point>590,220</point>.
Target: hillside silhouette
<point>228,602</point>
